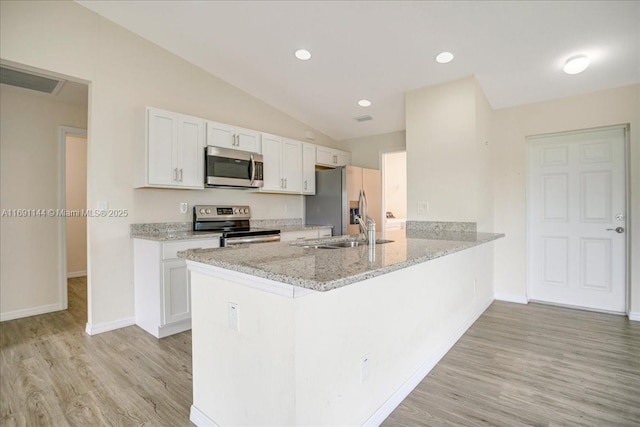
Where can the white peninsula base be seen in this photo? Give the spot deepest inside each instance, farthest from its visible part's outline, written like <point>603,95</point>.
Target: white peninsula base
<point>344,357</point>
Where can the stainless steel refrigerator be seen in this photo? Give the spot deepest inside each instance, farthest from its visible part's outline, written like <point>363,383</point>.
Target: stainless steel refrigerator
<point>342,193</point>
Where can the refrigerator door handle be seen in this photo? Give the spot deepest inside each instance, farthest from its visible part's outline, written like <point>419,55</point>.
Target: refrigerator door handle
<point>362,205</point>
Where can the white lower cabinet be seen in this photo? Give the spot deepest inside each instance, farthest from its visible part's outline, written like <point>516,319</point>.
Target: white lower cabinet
<point>162,286</point>
<point>290,236</point>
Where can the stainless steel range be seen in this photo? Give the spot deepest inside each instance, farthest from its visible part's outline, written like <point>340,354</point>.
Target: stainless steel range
<point>233,223</point>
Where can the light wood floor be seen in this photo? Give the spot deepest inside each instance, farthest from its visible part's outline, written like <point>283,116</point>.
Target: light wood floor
<point>53,374</point>
<point>533,365</point>
<point>517,365</point>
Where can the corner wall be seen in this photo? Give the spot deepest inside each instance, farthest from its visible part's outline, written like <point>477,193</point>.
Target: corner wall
<point>448,164</point>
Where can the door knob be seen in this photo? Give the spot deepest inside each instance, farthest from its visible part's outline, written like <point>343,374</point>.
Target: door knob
<point>617,229</point>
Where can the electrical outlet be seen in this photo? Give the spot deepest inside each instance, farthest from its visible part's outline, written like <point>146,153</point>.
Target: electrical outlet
<point>234,317</point>
<point>423,208</point>
<point>184,207</point>
<point>364,369</point>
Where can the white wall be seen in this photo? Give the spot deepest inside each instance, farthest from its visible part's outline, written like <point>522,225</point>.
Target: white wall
<point>366,151</point>
<point>395,183</point>
<point>30,270</point>
<point>127,73</point>
<point>510,128</point>
<point>446,155</point>
<point>76,200</point>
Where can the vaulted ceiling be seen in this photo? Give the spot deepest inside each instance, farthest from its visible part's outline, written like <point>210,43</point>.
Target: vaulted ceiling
<point>378,50</point>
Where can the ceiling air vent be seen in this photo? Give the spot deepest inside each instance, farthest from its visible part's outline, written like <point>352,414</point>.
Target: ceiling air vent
<point>29,80</point>
<point>363,118</point>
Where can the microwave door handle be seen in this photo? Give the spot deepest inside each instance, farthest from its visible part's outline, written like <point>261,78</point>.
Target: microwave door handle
<point>253,169</point>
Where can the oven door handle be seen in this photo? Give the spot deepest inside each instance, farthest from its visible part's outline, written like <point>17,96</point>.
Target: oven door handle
<point>257,239</point>
<point>253,169</point>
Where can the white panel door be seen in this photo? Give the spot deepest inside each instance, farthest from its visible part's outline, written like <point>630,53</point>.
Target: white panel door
<point>576,201</point>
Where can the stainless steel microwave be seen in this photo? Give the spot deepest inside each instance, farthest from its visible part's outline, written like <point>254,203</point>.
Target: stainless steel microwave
<point>233,168</point>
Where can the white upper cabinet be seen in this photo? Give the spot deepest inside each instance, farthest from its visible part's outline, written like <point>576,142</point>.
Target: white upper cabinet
<point>331,157</point>
<point>228,136</point>
<point>175,150</point>
<point>282,164</point>
<point>308,168</point>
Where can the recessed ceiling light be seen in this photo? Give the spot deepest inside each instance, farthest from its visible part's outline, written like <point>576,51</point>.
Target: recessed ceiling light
<point>444,57</point>
<point>364,103</point>
<point>303,54</point>
<point>576,64</point>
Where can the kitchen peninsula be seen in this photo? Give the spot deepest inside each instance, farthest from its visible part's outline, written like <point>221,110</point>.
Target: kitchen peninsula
<point>300,334</point>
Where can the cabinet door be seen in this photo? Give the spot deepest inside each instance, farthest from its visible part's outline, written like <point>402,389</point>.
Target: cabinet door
<point>247,140</point>
<point>308,168</point>
<point>220,135</point>
<point>325,156</point>
<point>273,180</point>
<point>343,158</point>
<point>162,129</point>
<point>291,165</point>
<point>176,292</point>
<point>190,152</point>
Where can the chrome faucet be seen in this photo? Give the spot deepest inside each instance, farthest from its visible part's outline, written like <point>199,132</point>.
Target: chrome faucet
<point>368,229</point>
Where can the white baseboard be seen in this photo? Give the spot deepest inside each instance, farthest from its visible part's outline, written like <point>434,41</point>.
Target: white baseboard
<point>200,419</point>
<point>33,311</point>
<point>399,395</point>
<point>72,274</point>
<point>634,315</point>
<point>520,299</point>
<point>109,326</point>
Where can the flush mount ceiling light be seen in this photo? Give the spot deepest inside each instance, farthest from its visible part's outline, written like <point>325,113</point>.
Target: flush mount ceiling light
<point>444,57</point>
<point>576,64</point>
<point>303,54</point>
<point>364,103</point>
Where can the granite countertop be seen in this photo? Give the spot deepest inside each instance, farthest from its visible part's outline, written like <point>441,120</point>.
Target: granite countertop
<point>327,269</point>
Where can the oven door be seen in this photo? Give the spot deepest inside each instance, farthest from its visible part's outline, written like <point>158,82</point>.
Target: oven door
<point>232,168</point>
<point>230,241</point>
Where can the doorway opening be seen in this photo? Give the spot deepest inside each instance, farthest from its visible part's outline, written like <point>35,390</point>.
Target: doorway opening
<point>394,190</point>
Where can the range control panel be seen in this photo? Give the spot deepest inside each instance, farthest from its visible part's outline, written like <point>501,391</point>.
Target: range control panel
<point>217,213</point>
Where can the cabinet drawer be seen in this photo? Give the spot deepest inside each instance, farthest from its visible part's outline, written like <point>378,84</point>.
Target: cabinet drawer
<point>170,250</point>
<point>288,236</point>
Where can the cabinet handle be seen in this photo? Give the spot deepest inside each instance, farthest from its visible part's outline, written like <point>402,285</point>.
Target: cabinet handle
<point>285,183</point>
<point>305,184</point>
<point>237,137</point>
<point>175,174</point>
<point>335,159</point>
<point>281,182</point>
<point>180,174</point>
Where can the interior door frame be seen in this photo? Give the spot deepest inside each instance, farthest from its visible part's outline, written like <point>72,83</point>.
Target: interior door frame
<point>63,131</point>
<point>628,224</point>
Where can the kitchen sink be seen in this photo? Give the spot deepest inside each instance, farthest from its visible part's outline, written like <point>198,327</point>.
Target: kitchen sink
<point>344,244</point>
